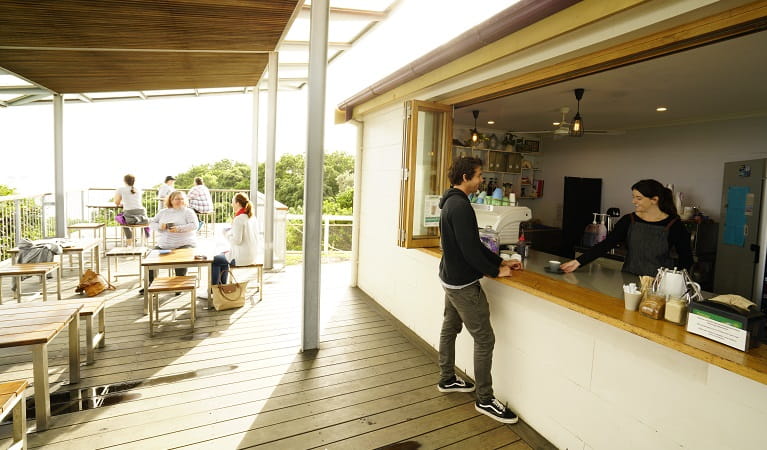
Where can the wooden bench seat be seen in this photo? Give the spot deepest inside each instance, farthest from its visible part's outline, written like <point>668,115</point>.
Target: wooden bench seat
<point>12,401</point>
<point>92,307</point>
<point>41,269</point>
<point>260,277</point>
<point>170,284</point>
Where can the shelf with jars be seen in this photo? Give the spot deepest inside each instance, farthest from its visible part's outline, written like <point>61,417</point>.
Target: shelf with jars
<point>516,172</point>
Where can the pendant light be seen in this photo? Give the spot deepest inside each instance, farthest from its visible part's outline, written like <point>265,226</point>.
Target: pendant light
<point>576,126</point>
<point>474,132</point>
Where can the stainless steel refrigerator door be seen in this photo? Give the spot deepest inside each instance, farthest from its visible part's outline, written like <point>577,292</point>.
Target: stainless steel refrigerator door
<point>738,249</point>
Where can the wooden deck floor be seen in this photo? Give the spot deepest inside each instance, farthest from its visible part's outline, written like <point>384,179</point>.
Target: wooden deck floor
<point>239,381</point>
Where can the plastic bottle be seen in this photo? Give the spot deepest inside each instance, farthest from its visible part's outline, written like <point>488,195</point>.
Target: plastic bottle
<point>522,247</point>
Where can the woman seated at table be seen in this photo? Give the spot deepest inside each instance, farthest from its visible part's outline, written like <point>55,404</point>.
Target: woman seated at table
<point>176,227</point>
<point>242,237</point>
<point>129,198</point>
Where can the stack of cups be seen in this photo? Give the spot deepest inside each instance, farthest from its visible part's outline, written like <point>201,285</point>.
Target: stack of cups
<point>631,296</point>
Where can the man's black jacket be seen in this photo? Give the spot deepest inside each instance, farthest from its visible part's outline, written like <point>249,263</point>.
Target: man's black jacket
<point>464,257</point>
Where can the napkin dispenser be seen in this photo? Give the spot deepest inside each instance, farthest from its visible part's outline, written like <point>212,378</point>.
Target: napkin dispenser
<point>738,328</point>
<point>504,219</point>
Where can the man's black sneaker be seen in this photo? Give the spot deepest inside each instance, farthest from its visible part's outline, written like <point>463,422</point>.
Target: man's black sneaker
<point>455,384</point>
<point>496,410</point>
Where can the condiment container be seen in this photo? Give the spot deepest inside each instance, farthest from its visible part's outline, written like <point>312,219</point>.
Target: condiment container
<point>676,311</point>
<point>653,305</point>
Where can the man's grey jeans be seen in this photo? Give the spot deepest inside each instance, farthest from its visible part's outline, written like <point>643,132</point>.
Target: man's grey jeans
<point>468,306</point>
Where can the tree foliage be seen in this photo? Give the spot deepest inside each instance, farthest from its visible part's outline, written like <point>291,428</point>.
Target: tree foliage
<point>223,174</point>
<point>6,190</point>
<point>338,180</point>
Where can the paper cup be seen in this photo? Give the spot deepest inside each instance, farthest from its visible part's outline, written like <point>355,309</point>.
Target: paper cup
<point>631,301</point>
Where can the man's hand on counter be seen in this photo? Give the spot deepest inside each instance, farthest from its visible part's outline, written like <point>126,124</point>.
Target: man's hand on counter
<point>504,270</point>
<point>570,266</point>
<point>513,264</point>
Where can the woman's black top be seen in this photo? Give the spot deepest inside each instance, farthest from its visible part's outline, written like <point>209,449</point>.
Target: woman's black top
<point>678,240</point>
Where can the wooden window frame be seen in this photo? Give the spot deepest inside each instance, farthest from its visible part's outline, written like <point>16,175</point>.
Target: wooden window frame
<point>405,237</point>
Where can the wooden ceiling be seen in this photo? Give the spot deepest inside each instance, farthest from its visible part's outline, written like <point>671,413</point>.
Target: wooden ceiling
<point>72,46</point>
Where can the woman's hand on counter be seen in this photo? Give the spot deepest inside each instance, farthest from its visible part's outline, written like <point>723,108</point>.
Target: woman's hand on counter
<point>570,266</point>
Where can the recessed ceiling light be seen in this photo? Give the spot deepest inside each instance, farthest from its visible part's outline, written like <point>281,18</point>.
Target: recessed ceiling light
<point>661,109</point>
<point>556,124</point>
<point>491,122</point>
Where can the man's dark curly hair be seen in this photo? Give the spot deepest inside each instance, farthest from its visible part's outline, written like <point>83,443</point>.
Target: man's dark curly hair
<point>465,165</point>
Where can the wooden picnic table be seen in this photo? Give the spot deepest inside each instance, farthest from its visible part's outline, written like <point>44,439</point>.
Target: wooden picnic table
<point>78,248</point>
<point>36,325</point>
<point>98,230</point>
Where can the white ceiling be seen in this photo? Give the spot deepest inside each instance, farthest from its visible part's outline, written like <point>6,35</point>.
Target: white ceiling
<point>726,79</point>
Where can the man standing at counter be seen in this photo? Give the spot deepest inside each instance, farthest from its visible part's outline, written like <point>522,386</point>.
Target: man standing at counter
<point>465,260</point>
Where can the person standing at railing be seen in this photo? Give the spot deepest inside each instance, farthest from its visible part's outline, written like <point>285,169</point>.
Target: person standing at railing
<point>129,197</point>
<point>164,191</point>
<point>242,237</point>
<point>200,200</point>
<point>176,227</point>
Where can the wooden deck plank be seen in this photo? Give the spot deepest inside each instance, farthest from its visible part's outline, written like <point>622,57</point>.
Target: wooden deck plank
<point>491,439</point>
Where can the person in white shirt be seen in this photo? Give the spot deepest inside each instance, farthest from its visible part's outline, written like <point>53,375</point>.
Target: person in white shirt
<point>164,191</point>
<point>130,199</point>
<point>176,227</point>
<point>242,237</point>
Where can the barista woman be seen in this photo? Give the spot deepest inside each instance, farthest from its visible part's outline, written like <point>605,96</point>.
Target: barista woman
<point>653,235</point>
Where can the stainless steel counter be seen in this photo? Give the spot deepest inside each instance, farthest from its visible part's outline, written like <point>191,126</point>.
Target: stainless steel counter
<point>594,276</point>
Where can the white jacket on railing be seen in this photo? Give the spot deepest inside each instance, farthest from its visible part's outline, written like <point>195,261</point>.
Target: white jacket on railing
<point>243,238</point>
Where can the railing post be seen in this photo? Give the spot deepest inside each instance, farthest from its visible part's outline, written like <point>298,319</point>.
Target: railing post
<point>82,206</point>
<point>326,242</point>
<point>43,231</point>
<point>17,220</point>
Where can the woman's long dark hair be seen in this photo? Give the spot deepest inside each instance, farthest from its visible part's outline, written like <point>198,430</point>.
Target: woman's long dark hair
<point>653,188</point>
<point>129,180</point>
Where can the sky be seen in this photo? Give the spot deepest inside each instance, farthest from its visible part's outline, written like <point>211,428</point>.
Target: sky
<point>153,138</point>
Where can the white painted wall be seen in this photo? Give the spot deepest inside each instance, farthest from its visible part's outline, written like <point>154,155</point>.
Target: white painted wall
<point>691,157</point>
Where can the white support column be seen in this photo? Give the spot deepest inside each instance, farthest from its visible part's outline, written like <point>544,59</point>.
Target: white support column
<point>254,152</point>
<point>318,57</point>
<point>271,131</point>
<point>58,165</point>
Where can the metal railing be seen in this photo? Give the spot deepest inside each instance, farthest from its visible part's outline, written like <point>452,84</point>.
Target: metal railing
<point>33,217</point>
<point>29,216</point>
<point>336,233</point>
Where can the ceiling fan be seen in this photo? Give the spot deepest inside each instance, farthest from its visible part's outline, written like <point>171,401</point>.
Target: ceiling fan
<point>574,128</point>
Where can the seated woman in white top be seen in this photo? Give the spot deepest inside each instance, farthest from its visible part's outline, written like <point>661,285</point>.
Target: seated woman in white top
<point>242,237</point>
<point>130,199</point>
<point>176,227</point>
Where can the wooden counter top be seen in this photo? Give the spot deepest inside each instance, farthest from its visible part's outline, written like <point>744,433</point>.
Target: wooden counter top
<point>608,309</point>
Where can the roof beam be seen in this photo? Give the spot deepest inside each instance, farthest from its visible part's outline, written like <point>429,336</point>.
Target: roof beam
<point>23,90</point>
<point>348,14</point>
<point>304,45</point>
<point>27,99</point>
